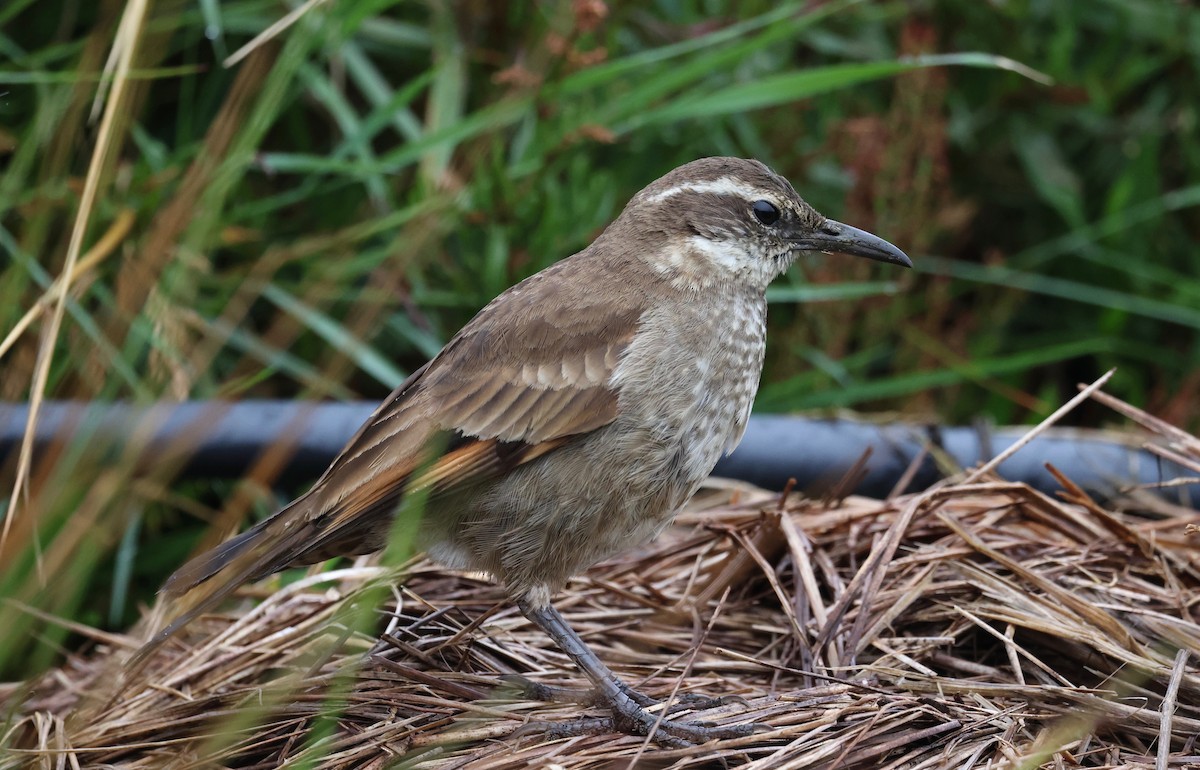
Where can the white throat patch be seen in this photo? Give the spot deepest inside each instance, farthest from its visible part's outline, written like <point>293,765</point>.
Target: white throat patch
<point>758,269</point>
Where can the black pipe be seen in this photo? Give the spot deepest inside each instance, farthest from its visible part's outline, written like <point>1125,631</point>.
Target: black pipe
<point>222,439</point>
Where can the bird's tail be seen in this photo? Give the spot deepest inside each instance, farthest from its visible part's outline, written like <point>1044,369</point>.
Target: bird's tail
<point>203,582</point>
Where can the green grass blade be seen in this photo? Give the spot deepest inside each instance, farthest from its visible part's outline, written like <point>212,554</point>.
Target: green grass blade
<point>1076,291</point>
<point>364,356</point>
<point>792,86</point>
<point>801,395</point>
<point>835,292</point>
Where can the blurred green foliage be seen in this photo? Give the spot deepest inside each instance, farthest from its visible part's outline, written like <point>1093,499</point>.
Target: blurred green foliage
<point>316,219</point>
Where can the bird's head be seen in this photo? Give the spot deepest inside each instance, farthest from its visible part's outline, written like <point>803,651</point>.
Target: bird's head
<point>728,218</point>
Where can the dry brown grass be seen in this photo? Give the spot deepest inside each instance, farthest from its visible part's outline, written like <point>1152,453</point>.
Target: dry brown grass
<point>980,624</point>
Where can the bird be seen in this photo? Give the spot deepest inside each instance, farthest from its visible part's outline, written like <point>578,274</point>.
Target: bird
<point>571,417</point>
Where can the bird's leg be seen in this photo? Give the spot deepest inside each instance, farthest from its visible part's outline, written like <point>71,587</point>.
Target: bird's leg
<point>584,696</point>
<point>591,696</point>
<point>628,715</point>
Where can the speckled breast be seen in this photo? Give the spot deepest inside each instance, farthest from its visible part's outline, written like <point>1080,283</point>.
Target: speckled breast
<point>690,378</point>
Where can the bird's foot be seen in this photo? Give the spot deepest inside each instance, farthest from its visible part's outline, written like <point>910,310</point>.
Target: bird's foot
<point>592,696</point>
<point>682,701</point>
<point>631,713</point>
<point>628,717</point>
<point>549,693</point>
<point>670,733</point>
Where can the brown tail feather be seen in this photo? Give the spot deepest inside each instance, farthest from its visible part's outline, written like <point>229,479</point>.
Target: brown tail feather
<point>209,563</point>
<point>330,520</point>
<point>266,547</point>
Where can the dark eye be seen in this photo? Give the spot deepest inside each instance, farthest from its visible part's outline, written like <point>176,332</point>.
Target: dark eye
<point>766,212</point>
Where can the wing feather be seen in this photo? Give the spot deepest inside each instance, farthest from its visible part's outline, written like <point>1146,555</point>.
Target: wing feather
<point>528,374</point>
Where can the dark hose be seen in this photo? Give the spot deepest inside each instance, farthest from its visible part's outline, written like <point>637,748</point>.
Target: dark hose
<point>222,439</point>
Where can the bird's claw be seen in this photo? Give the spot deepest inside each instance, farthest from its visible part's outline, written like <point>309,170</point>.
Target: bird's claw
<point>591,696</point>
<point>694,701</point>
<point>630,716</point>
<point>675,733</point>
<point>550,693</point>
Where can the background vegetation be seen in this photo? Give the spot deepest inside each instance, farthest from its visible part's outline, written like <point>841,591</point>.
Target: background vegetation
<point>315,218</point>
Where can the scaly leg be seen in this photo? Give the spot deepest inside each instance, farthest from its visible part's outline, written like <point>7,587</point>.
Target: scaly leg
<point>590,696</point>
<point>627,714</point>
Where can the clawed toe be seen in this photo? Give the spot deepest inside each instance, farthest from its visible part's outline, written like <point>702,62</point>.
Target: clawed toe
<point>592,696</point>
<point>669,732</point>
<point>631,717</point>
<point>601,725</point>
<point>549,693</point>
<point>698,702</point>
<point>629,708</point>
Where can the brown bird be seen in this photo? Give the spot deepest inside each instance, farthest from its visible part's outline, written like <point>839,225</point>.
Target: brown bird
<point>573,416</point>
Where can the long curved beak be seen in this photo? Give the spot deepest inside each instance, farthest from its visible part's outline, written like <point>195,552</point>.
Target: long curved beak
<point>844,239</point>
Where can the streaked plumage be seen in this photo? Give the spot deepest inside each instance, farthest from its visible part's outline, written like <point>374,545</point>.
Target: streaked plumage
<point>576,412</point>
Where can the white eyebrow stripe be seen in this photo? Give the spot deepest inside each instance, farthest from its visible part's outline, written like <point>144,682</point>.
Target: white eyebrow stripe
<point>723,186</point>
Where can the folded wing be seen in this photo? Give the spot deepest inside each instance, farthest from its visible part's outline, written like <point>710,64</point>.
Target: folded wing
<point>526,375</point>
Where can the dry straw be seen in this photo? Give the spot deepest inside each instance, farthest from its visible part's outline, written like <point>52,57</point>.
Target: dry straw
<point>978,624</point>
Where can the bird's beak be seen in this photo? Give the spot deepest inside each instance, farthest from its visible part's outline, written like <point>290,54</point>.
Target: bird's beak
<point>844,239</point>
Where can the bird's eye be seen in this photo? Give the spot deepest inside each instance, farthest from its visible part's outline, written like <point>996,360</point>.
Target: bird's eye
<point>766,212</point>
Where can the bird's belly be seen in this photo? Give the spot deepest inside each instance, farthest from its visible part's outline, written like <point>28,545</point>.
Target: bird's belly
<point>553,518</point>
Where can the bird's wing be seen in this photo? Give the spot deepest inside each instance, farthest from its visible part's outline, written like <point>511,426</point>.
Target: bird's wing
<point>527,374</point>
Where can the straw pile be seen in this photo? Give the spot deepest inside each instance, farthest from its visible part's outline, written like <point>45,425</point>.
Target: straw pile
<point>975,624</point>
